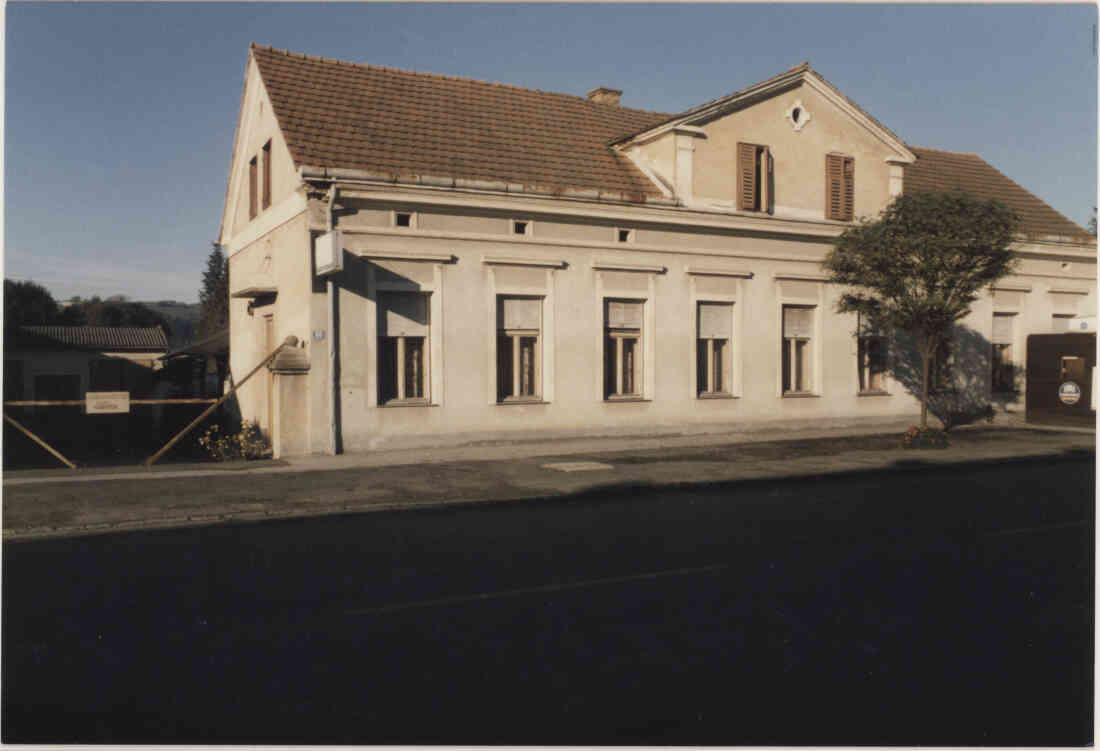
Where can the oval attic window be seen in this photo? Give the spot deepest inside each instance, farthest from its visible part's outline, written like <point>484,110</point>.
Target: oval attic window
<point>796,113</point>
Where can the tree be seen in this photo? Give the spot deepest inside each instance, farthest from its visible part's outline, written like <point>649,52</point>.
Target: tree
<point>920,265</point>
<point>28,304</point>
<point>214,295</point>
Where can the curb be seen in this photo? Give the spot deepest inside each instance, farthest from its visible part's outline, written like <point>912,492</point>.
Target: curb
<point>608,490</point>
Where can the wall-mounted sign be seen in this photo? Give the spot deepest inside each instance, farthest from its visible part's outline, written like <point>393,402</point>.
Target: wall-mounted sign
<point>1069,392</point>
<point>107,402</point>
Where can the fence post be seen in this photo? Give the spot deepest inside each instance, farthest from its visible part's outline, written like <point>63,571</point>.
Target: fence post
<point>291,341</point>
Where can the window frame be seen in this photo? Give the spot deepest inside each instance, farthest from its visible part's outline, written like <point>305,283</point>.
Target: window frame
<point>789,350</point>
<point>846,187</point>
<point>616,337</point>
<point>265,194</point>
<point>400,345</point>
<point>865,339</point>
<point>515,338</point>
<point>763,178</point>
<point>727,361</point>
<point>1002,362</point>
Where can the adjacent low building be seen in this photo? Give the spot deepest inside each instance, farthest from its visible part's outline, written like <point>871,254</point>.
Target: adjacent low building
<point>460,258</point>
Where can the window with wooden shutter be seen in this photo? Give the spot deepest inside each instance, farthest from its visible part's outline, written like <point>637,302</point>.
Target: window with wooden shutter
<point>753,173</point>
<point>840,182</point>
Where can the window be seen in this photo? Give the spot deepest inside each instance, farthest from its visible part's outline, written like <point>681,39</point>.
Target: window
<point>402,219</point>
<point>252,202</point>
<point>1003,371</point>
<point>626,236</point>
<point>713,348</point>
<point>754,176</point>
<point>1060,322</point>
<point>519,352</point>
<point>798,326</point>
<point>940,367</point>
<point>623,348</point>
<point>840,187</point>
<point>403,348</point>
<point>872,354</point>
<point>520,227</point>
<point>267,175</point>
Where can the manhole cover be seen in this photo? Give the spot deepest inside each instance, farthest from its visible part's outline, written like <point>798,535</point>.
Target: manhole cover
<point>576,466</point>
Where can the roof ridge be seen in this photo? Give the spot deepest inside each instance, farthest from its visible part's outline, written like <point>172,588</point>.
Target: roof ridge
<point>425,74</point>
<point>945,151</point>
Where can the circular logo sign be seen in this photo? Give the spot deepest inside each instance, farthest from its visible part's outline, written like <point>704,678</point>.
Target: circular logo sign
<point>1069,392</point>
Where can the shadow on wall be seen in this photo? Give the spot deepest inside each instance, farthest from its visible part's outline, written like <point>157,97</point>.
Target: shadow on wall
<point>962,395</point>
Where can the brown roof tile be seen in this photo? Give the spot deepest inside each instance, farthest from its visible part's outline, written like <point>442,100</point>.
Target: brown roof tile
<point>937,170</point>
<point>403,123</point>
<point>107,338</point>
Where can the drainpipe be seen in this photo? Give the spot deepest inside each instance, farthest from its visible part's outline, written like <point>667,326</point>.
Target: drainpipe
<point>333,341</point>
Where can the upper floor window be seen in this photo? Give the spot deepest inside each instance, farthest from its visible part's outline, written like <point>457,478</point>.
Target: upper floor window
<point>754,177</point>
<point>253,196</point>
<point>840,187</point>
<point>266,198</point>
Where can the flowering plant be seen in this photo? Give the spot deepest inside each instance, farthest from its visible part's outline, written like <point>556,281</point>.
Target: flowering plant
<point>924,438</point>
<point>249,443</point>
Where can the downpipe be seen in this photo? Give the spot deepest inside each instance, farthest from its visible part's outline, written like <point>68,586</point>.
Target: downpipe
<point>333,341</point>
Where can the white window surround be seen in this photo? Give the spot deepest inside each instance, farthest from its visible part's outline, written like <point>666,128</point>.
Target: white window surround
<point>816,344</point>
<point>496,286</point>
<point>605,289</point>
<point>736,299</point>
<point>434,290</point>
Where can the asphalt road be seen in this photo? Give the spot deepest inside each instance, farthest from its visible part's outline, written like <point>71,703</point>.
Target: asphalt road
<point>952,607</point>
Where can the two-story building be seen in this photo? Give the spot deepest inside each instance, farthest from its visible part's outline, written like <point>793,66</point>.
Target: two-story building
<point>461,258</point>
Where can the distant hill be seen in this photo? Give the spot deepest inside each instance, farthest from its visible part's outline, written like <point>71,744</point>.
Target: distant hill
<point>183,317</point>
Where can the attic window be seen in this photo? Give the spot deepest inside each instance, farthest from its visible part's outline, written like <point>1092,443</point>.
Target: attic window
<point>795,114</point>
<point>521,227</point>
<point>402,219</point>
<point>626,236</point>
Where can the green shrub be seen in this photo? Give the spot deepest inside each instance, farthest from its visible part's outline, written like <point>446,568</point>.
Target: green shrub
<point>249,443</point>
<point>924,438</point>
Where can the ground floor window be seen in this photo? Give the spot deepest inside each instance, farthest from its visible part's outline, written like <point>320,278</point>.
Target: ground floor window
<point>403,348</point>
<point>623,348</point>
<point>519,355</point>
<point>713,348</point>
<point>940,367</point>
<point>872,352</point>
<point>1003,375</point>
<point>797,365</point>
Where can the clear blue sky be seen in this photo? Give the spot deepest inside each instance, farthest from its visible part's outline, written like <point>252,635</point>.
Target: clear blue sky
<point>120,117</point>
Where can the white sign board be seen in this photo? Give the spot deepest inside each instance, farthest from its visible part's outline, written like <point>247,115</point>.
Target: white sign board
<point>107,402</point>
<point>329,253</point>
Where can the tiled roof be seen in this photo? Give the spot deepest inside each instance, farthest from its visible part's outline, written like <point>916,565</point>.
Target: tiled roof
<point>106,338</point>
<point>402,123</point>
<point>937,170</point>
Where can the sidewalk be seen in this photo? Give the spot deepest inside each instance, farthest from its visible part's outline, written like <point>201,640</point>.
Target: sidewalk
<point>57,503</point>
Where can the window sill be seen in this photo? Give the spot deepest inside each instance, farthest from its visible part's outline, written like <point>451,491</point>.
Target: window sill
<point>408,403</point>
<point>716,396</point>
<point>873,393</point>
<point>509,402</point>
<point>620,399</point>
<point>800,395</point>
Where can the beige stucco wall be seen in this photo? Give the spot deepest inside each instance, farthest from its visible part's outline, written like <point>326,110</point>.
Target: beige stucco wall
<point>799,156</point>
<point>257,125</point>
<point>463,324</point>
<point>280,259</point>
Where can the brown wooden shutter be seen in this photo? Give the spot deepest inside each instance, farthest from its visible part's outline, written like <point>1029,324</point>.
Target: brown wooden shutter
<point>834,191</point>
<point>746,177</point>
<point>267,175</point>
<point>252,208</point>
<point>849,189</point>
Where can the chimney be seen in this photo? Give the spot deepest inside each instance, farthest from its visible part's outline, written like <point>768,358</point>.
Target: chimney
<point>604,95</point>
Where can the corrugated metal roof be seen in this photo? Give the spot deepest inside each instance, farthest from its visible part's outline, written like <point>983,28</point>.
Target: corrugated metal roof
<point>106,338</point>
